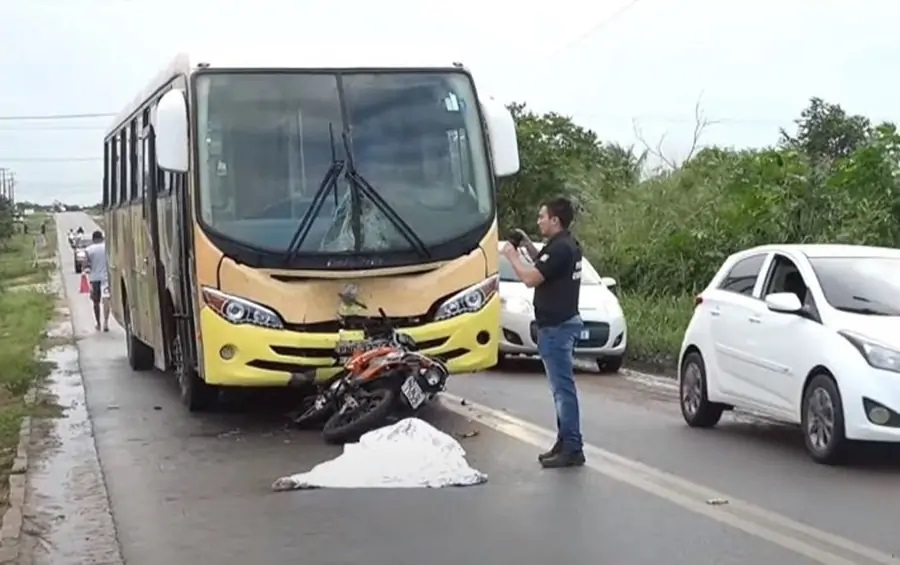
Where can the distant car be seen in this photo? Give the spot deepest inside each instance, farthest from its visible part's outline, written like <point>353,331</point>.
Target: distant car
<point>603,337</point>
<point>79,245</point>
<point>807,334</point>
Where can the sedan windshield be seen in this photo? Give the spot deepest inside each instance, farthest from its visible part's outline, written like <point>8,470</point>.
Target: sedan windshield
<point>589,276</point>
<point>269,140</point>
<point>862,285</point>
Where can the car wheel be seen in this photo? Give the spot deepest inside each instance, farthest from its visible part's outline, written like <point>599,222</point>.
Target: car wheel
<point>610,364</point>
<point>822,421</point>
<point>696,408</point>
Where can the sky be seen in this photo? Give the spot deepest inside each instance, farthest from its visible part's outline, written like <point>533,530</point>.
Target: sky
<point>610,64</point>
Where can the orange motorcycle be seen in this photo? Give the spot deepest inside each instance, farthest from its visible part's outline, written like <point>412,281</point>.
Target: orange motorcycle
<point>382,375</point>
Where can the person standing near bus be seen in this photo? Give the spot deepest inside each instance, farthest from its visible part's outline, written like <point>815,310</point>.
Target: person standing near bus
<point>556,279</point>
<point>98,274</point>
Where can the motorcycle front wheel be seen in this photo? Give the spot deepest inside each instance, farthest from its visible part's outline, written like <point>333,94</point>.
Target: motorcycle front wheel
<point>374,409</point>
<point>311,415</point>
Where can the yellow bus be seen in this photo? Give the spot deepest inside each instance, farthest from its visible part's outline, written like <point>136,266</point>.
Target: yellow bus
<point>243,198</point>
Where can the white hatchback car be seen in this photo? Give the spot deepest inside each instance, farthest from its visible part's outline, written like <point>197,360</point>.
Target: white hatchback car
<point>603,337</point>
<point>807,334</point>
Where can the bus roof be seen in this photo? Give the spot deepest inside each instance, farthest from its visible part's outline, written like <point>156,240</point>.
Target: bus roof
<point>235,58</point>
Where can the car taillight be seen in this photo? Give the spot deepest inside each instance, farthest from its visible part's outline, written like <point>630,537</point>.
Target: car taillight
<point>698,300</point>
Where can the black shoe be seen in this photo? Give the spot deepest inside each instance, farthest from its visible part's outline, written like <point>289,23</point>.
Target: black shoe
<point>564,459</point>
<point>557,447</point>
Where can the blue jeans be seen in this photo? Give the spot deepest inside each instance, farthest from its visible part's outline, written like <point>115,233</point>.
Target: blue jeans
<point>556,345</point>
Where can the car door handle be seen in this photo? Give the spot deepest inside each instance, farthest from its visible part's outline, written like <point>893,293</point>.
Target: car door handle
<point>755,319</point>
<point>714,313</point>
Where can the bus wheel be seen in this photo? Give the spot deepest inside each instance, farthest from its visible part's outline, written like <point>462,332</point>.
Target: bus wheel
<point>196,394</point>
<point>140,355</point>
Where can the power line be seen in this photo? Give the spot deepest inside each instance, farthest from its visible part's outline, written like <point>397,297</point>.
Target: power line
<point>55,117</point>
<point>594,29</point>
<point>52,128</point>
<point>48,159</point>
<point>51,184</point>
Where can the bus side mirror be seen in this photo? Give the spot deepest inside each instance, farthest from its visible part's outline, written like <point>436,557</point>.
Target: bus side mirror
<point>502,134</point>
<point>171,128</point>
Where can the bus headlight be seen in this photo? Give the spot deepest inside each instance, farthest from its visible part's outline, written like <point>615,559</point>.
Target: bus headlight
<point>240,310</point>
<point>468,300</point>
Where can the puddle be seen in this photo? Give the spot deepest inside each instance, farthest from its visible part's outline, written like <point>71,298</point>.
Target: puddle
<point>67,517</point>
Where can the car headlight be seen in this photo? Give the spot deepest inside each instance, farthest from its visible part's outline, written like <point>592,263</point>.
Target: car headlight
<point>517,305</point>
<point>240,310</point>
<point>877,355</point>
<point>468,300</point>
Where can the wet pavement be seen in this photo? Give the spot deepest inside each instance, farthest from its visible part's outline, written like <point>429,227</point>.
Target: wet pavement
<point>187,488</point>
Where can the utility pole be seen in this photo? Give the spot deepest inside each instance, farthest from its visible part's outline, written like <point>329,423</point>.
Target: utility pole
<point>3,172</point>
<point>12,189</point>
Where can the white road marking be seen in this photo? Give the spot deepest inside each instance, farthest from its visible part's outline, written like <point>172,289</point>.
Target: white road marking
<point>818,545</point>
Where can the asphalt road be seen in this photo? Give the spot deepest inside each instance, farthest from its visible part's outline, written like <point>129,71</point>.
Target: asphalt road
<point>189,488</point>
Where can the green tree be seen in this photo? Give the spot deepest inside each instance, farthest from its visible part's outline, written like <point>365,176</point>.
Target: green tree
<point>826,132</point>
<point>556,156</point>
<point>7,217</point>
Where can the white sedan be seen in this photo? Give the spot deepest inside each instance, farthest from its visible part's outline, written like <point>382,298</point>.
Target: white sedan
<point>807,334</point>
<point>603,337</point>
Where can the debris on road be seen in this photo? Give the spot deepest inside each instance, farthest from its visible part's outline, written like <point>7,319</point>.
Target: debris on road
<point>408,454</point>
<point>717,501</point>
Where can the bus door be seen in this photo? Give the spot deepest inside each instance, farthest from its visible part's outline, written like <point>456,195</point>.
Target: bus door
<point>148,261</point>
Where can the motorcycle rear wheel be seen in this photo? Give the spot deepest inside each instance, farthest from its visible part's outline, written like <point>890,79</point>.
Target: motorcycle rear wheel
<point>375,408</point>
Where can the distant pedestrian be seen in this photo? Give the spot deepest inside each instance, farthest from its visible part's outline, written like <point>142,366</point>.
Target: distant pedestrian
<point>556,279</point>
<point>98,273</point>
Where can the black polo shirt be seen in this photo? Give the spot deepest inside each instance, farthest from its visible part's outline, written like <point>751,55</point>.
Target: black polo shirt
<point>556,299</point>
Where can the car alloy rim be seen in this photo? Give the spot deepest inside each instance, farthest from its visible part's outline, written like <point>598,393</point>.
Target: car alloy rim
<point>691,389</point>
<point>820,419</point>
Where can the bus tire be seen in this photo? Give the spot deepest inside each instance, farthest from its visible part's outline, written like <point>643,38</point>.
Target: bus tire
<point>196,394</point>
<point>140,355</point>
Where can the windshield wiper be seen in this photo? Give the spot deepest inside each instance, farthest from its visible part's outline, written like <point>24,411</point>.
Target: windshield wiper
<point>328,184</point>
<point>865,311</point>
<point>359,183</point>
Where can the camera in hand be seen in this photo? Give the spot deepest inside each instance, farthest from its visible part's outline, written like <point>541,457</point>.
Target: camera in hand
<point>517,237</point>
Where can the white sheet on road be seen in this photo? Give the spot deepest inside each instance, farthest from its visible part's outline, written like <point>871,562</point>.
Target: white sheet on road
<point>409,454</point>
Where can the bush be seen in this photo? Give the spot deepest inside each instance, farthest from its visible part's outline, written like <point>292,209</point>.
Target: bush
<point>664,236</point>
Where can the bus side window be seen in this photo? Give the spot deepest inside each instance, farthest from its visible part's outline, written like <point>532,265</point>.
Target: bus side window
<point>134,146</point>
<point>106,175</point>
<point>113,172</point>
<point>123,166</point>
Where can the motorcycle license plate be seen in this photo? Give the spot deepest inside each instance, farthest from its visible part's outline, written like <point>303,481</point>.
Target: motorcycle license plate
<point>585,334</point>
<point>413,392</point>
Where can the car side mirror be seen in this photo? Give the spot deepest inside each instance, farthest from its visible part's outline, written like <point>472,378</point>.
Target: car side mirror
<point>784,303</point>
<point>608,282</point>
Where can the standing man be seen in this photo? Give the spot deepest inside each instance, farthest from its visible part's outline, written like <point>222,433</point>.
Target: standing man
<point>556,279</point>
<point>99,277</point>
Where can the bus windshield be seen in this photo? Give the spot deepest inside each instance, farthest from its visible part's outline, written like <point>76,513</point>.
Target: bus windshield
<point>267,141</point>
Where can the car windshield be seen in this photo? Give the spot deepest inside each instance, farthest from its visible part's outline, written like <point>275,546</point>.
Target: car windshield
<point>269,139</point>
<point>589,276</point>
<point>862,285</point>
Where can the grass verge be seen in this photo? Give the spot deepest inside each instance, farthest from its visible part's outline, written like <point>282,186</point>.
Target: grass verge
<point>656,327</point>
<point>24,315</point>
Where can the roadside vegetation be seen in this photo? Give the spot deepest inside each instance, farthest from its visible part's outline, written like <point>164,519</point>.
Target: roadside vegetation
<point>663,231</point>
<point>26,307</point>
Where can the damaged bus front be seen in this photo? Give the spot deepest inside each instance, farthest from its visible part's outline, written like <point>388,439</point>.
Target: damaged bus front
<point>309,183</point>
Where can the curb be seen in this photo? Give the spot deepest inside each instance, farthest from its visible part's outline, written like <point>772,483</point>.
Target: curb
<point>12,522</point>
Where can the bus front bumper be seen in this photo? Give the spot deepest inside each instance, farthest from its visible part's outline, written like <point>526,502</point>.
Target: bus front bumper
<point>251,356</point>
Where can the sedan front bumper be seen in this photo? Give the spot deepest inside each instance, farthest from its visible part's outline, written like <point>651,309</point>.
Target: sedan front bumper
<point>604,338</point>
